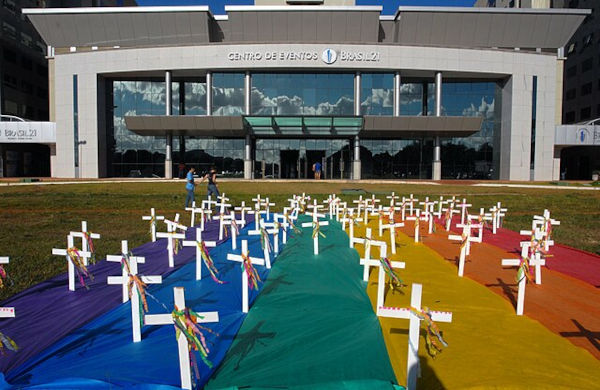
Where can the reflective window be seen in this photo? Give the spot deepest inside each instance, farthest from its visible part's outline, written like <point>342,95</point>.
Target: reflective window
<point>293,158</point>
<point>131,152</point>
<point>471,157</point>
<point>302,94</point>
<point>228,94</point>
<point>377,94</point>
<point>411,99</point>
<point>195,98</point>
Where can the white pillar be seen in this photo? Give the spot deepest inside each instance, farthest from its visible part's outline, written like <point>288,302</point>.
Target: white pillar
<point>53,160</point>
<point>357,93</point>
<point>437,160</point>
<point>356,165</point>
<point>169,146</point>
<point>248,158</point>
<point>247,92</point>
<point>397,86</point>
<point>208,93</point>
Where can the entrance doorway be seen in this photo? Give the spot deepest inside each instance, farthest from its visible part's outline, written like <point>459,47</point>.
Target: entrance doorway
<point>289,164</point>
<point>312,157</point>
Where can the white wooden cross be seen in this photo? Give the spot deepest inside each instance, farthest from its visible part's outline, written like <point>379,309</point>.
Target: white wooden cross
<point>392,226</point>
<point>521,278</point>
<point>428,213</point>
<point>257,201</point>
<point>368,242</point>
<point>257,218</point>
<point>545,224</point>
<point>467,229</point>
<point>532,251</point>
<point>71,267</point>
<point>464,239</point>
<point>86,237</point>
<point>199,243</point>
<point>6,312</point>
<point>449,211</point>
<point>360,203</point>
<point>240,259</point>
<point>417,218</point>
<point>282,220</point>
<point>413,369</point>
<point>352,220</point>
<point>273,228</point>
<point>171,235</point>
<point>497,214</point>
<point>440,203</point>
<point>393,198</point>
<point>224,220</point>
<point>265,242</point>
<point>267,205</point>
<point>133,262</point>
<point>208,203</point>
<point>153,218</point>
<point>411,201</point>
<point>182,342</point>
<point>381,276</point>
<point>129,272</point>
<point>480,218</point>
<point>198,210</point>
<point>223,205</point>
<point>463,210</point>
<point>243,209</point>
<point>316,225</point>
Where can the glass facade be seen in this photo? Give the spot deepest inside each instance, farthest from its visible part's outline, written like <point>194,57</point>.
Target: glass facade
<point>302,94</point>
<point>228,94</point>
<point>377,94</point>
<point>471,157</point>
<point>293,158</point>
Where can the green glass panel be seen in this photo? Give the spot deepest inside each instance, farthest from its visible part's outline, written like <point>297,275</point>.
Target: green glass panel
<point>318,121</point>
<point>259,121</point>
<point>285,121</point>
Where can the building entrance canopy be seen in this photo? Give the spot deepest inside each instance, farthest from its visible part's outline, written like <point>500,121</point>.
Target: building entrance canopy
<point>304,126</point>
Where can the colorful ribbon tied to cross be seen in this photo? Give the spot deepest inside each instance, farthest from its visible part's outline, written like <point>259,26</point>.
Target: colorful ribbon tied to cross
<point>135,282</point>
<point>292,225</point>
<point>3,277</point>
<point>234,226</point>
<point>7,343</point>
<point>79,265</point>
<point>225,229</point>
<point>464,239</point>
<point>265,243</point>
<point>317,230</point>
<point>394,281</point>
<point>252,274</point>
<point>433,334</point>
<point>208,261</point>
<point>88,237</point>
<point>152,222</point>
<point>186,323</point>
<point>448,215</point>
<point>524,271</point>
<point>176,243</point>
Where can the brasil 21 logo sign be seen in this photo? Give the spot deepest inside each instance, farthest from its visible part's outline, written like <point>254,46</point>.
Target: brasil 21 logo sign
<point>329,56</point>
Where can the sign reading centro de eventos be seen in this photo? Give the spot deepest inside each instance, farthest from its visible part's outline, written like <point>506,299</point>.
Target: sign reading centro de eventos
<point>328,56</point>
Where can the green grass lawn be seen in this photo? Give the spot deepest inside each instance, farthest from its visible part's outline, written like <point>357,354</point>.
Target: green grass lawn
<point>34,219</point>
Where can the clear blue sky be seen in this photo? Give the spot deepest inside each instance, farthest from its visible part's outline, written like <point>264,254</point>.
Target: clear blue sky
<point>389,6</point>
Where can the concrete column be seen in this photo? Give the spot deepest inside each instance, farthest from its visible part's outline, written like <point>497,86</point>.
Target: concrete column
<point>209,93</point>
<point>356,165</point>
<point>53,160</point>
<point>247,92</point>
<point>248,158</point>
<point>556,163</point>
<point>169,146</point>
<point>397,86</point>
<point>437,146</point>
<point>357,93</point>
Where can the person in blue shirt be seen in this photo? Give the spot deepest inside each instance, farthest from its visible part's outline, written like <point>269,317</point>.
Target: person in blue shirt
<point>190,186</point>
<point>317,170</point>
